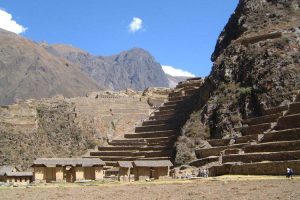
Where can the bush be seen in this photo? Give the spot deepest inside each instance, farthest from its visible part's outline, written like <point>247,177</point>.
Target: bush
<point>245,90</point>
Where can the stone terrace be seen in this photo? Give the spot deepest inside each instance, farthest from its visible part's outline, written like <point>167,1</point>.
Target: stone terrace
<point>155,138</point>
<point>268,145</point>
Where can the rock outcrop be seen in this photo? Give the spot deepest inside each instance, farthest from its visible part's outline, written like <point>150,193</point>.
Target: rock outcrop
<point>256,67</point>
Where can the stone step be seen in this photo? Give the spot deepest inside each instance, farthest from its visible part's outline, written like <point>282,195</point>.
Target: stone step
<point>127,142</point>
<point>181,105</point>
<point>160,127</point>
<point>246,139</point>
<point>131,153</point>
<point>288,122</point>
<point>215,151</point>
<point>260,157</point>
<point>282,135</point>
<point>118,158</point>
<point>123,158</point>
<point>192,91</point>
<point>148,141</point>
<point>218,142</point>
<point>152,134</point>
<point>294,108</point>
<point>274,110</point>
<point>144,140</point>
<point>171,112</point>
<point>204,161</point>
<point>255,129</point>
<point>262,120</point>
<point>238,140</point>
<point>134,148</point>
<point>256,168</point>
<point>156,158</point>
<point>180,116</point>
<point>273,147</point>
<point>157,122</point>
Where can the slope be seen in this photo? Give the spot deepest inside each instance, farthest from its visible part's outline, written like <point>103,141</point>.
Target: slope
<point>28,71</point>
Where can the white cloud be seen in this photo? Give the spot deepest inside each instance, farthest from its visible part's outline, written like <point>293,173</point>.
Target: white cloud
<point>7,23</point>
<point>135,25</point>
<point>176,72</point>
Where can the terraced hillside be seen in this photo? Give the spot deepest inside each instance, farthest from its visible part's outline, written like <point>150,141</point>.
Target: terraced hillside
<point>256,67</point>
<point>155,138</point>
<point>268,145</point>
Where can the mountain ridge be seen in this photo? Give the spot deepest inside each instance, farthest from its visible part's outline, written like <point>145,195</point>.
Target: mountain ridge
<point>37,70</point>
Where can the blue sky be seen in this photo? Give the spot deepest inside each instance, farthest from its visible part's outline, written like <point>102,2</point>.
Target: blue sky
<point>178,33</point>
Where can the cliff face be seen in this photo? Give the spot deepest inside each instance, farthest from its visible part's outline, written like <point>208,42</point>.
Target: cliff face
<point>256,66</point>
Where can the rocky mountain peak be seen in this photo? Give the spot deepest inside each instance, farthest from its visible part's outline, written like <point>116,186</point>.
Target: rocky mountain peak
<point>252,16</point>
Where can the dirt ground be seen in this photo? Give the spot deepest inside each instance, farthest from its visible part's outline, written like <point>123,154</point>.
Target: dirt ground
<point>225,187</point>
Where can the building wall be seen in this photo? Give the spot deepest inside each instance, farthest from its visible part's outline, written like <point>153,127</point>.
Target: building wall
<point>16,179</point>
<point>161,172</point>
<point>99,173</point>
<point>143,173</point>
<point>39,173</point>
<point>79,173</point>
<point>60,174</point>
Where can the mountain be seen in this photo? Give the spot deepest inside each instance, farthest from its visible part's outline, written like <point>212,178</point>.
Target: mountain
<point>256,67</point>
<point>28,71</point>
<point>135,68</point>
<point>37,70</point>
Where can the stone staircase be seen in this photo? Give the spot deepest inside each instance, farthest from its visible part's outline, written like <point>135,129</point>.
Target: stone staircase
<point>156,136</point>
<point>268,145</point>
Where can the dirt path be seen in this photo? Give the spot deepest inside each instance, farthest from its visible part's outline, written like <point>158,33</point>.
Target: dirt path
<point>213,188</point>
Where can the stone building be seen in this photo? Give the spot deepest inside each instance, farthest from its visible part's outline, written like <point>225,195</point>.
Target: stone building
<point>67,169</point>
<point>18,177</point>
<point>125,169</point>
<point>151,169</point>
<point>11,174</point>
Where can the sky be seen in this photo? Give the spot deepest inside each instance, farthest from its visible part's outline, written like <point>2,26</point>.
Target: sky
<point>180,34</point>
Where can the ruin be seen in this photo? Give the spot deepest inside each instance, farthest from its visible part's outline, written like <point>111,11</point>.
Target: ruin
<point>268,145</point>
<point>155,138</point>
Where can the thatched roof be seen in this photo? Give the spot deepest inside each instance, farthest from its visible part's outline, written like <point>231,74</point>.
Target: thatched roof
<point>6,168</point>
<point>152,163</point>
<point>18,174</point>
<point>125,164</point>
<point>53,162</point>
